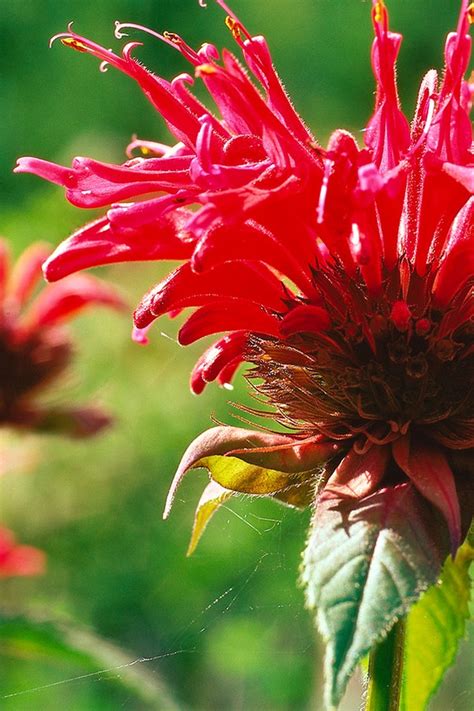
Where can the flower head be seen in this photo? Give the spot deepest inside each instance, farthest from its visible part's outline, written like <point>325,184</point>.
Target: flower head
<point>343,275</point>
<point>35,347</point>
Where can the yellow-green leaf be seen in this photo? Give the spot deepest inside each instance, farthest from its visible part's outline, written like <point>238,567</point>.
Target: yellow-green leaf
<point>435,626</point>
<point>213,496</point>
<point>240,476</point>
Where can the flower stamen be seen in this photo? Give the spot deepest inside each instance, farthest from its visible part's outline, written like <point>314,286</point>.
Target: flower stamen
<point>380,11</point>
<point>205,69</point>
<point>237,30</point>
<point>70,42</point>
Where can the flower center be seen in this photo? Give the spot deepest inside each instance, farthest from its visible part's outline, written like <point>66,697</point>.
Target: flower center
<point>384,366</point>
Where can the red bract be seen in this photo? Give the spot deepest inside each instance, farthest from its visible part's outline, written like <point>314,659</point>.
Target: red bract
<point>344,275</point>
<point>18,560</point>
<point>35,347</point>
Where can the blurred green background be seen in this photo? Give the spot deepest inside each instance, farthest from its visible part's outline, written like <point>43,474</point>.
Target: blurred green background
<point>226,629</point>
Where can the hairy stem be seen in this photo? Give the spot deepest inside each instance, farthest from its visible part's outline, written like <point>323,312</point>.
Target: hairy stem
<point>385,671</point>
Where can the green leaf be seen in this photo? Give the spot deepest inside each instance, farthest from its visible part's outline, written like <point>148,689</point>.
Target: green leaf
<point>24,636</point>
<point>365,564</point>
<point>434,628</point>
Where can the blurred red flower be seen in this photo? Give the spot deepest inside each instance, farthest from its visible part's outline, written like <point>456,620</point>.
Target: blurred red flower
<point>18,560</point>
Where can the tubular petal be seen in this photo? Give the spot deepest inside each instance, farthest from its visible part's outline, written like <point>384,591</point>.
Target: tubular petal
<point>388,133</point>
<point>98,243</point>
<point>216,358</point>
<point>91,184</point>
<point>305,319</point>
<point>183,287</point>
<point>454,273</point>
<point>258,58</point>
<point>227,373</point>
<point>227,315</point>
<point>250,242</point>
<point>463,174</point>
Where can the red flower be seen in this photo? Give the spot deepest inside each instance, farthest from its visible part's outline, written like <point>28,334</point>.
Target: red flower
<point>344,275</point>
<point>35,348</point>
<point>16,560</point>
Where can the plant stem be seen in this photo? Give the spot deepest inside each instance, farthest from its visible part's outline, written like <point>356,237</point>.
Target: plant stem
<point>385,671</point>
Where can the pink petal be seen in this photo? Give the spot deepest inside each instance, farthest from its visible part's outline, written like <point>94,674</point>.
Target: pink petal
<point>76,422</point>
<point>450,135</point>
<point>183,287</point>
<point>97,244</point>
<point>91,184</point>
<point>249,242</point>
<point>455,272</point>
<point>181,121</point>
<point>216,358</point>
<point>230,315</point>
<point>463,174</point>
<point>258,58</point>
<point>305,319</point>
<point>227,373</point>
<point>45,169</point>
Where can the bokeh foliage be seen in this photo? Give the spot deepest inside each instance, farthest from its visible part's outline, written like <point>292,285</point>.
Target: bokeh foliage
<point>227,628</point>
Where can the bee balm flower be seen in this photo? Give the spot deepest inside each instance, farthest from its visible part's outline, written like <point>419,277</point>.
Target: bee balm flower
<point>343,275</point>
